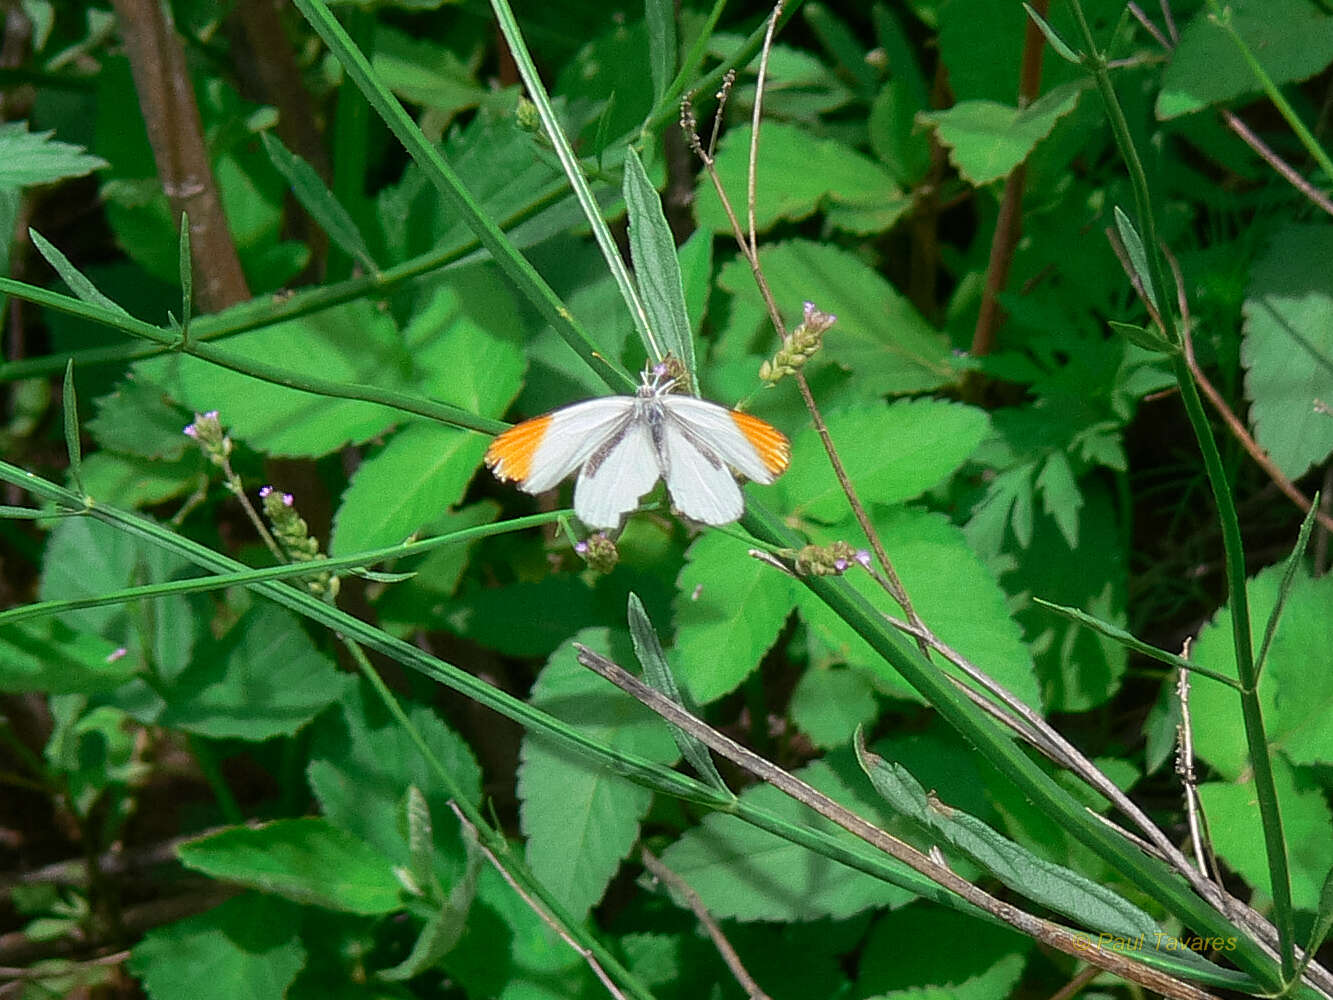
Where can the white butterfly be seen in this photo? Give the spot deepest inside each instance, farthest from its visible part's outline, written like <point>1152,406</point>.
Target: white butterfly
<point>622,445</point>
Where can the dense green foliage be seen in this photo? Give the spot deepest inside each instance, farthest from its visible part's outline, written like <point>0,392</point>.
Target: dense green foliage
<point>279,785</point>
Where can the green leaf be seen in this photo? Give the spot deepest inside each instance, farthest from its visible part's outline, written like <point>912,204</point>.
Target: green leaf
<point>442,931</point>
<point>903,148</point>
<point>247,947</point>
<point>987,140</point>
<point>729,608</point>
<point>1043,882</point>
<point>71,275</point>
<point>1147,337</point>
<point>138,418</point>
<point>798,174</point>
<point>657,672</point>
<point>86,558</point>
<point>362,762</point>
<point>848,52</point>
<point>829,703</point>
<point>522,619</point>
<point>29,158</point>
<point>581,820</point>
<point>892,452</point>
<point>922,944</point>
<point>421,71</point>
<point>660,17</point>
<point>950,588</point>
<point>1295,696</point>
<point>50,657</point>
<point>1237,835</point>
<point>1057,43</point>
<point>1288,347</point>
<point>1291,39</point>
<point>1138,257</point>
<point>264,679</point>
<point>656,267</point>
<point>1060,496</point>
<point>187,275</point>
<point>879,334</point>
<point>354,342</point>
<point>744,873</point>
<point>318,200</point>
<point>73,448</point>
<point>308,861</point>
<point>131,481</point>
<point>422,471</point>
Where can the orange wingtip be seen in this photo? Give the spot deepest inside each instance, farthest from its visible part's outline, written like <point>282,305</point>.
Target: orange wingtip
<point>510,455</point>
<point>772,445</point>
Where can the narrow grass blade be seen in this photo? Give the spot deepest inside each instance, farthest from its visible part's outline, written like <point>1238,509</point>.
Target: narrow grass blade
<point>657,672</point>
<point>318,200</point>
<point>72,444</point>
<point>1133,642</point>
<point>71,275</point>
<point>1288,577</point>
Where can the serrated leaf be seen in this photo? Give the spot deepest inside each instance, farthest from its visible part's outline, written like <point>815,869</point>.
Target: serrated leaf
<point>318,200</point>
<point>1296,698</point>
<point>987,140</point>
<point>798,174</point>
<point>246,947</point>
<point>879,334</point>
<point>728,610</point>
<point>28,158</point>
<point>1291,39</point>
<point>744,873</point>
<point>138,418</point>
<point>1060,496</point>
<point>950,588</point>
<point>1288,347</point>
<point>353,342</point>
<point>308,861</point>
<point>421,472</point>
<point>264,679</point>
<point>362,762</point>
<point>892,452</point>
<point>656,267</point>
<point>581,819</point>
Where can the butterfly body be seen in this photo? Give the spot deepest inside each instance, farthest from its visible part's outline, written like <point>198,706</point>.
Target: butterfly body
<point>622,445</point>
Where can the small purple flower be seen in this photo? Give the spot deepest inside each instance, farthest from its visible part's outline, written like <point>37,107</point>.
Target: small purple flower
<point>863,557</point>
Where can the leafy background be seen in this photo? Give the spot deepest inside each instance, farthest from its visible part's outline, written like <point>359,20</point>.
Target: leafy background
<point>1054,464</point>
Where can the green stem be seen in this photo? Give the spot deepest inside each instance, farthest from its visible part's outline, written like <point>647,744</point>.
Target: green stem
<point>1223,17</point>
<point>1251,712</point>
<point>262,370</point>
<point>573,170</point>
<point>287,571</point>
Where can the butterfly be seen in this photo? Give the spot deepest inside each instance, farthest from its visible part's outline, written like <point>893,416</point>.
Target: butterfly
<point>622,445</point>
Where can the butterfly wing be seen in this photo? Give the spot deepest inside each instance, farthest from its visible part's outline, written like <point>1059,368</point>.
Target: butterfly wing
<point>753,447</point>
<point>540,452</point>
<point>701,486</point>
<point>617,473</point>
